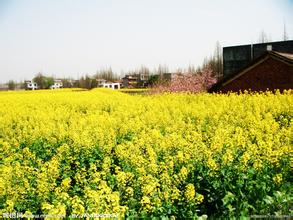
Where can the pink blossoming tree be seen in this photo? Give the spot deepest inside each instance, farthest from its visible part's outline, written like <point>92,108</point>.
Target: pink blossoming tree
<point>188,82</point>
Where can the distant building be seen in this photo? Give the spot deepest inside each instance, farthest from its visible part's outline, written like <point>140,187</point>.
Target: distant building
<point>130,81</point>
<point>114,85</point>
<point>57,84</point>
<point>31,85</point>
<point>143,79</point>
<point>101,82</point>
<point>136,80</point>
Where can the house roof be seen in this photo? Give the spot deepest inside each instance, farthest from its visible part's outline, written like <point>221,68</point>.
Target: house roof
<point>283,57</point>
<point>286,55</point>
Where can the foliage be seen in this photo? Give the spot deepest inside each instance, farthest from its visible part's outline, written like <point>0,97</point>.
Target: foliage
<point>189,82</point>
<point>44,82</point>
<point>87,82</point>
<point>11,85</point>
<point>162,156</point>
<point>153,79</point>
<point>134,91</point>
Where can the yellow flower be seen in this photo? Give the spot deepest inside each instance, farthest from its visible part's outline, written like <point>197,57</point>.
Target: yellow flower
<point>199,198</point>
<point>212,164</point>
<point>189,192</point>
<point>106,145</point>
<point>66,183</point>
<point>278,178</point>
<point>146,203</point>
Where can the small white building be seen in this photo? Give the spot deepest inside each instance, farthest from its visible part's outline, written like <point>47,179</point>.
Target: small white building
<point>101,82</point>
<point>116,85</point>
<point>31,85</point>
<point>57,84</point>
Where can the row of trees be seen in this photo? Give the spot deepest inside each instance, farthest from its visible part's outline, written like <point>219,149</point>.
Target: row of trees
<point>214,63</point>
<point>44,82</point>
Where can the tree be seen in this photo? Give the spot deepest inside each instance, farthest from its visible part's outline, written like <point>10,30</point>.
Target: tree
<point>153,80</point>
<point>214,62</point>
<point>86,82</point>
<point>161,70</point>
<point>106,74</point>
<point>11,85</point>
<point>285,35</point>
<point>67,82</point>
<point>143,70</point>
<point>39,79</point>
<point>218,57</point>
<point>191,69</point>
<point>81,82</point>
<point>49,81</point>
<point>189,82</point>
<point>263,38</point>
<point>43,82</point>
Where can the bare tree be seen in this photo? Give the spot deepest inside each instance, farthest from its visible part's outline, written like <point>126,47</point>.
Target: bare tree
<point>218,57</point>
<point>161,70</point>
<point>285,35</point>
<point>106,74</point>
<point>191,69</point>
<point>263,38</point>
<point>143,70</point>
<point>214,62</point>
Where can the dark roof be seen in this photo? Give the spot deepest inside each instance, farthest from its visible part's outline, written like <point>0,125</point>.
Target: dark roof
<point>285,57</point>
<point>265,43</point>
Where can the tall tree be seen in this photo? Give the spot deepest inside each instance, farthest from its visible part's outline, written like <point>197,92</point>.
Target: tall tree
<point>285,35</point>
<point>263,38</point>
<point>107,74</point>
<point>11,85</point>
<point>143,70</point>
<point>191,69</point>
<point>218,57</point>
<point>214,62</point>
<point>161,70</point>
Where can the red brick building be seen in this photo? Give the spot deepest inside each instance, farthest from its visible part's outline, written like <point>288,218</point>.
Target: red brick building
<point>272,70</point>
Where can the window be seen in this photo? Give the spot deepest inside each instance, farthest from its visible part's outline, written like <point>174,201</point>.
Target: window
<point>269,47</point>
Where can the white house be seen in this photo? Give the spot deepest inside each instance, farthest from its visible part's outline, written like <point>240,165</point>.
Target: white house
<point>31,85</point>
<point>57,84</point>
<point>116,85</point>
<point>101,82</point>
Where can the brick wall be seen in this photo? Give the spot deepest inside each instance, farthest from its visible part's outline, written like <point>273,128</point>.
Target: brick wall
<point>271,74</point>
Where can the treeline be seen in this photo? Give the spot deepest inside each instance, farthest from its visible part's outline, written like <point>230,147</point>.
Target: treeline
<point>214,63</point>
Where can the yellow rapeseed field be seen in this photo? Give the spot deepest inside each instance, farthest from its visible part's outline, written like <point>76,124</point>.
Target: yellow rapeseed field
<point>172,155</point>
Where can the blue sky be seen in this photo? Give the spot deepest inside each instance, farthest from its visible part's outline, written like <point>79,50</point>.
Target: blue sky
<point>76,37</point>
